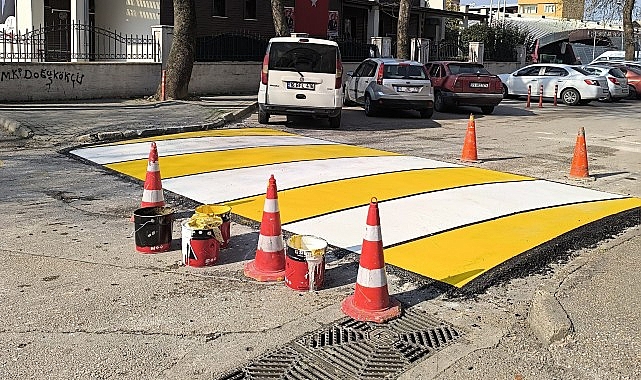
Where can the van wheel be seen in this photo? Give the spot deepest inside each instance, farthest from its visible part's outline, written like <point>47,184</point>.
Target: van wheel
<point>426,113</point>
<point>487,110</point>
<point>335,121</point>
<point>370,109</point>
<point>263,117</point>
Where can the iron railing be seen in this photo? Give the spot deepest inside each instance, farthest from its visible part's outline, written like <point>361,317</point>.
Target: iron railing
<point>66,41</point>
<point>239,46</point>
<point>448,51</point>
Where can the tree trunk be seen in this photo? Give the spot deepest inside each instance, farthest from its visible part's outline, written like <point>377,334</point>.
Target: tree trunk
<point>402,38</point>
<point>628,30</point>
<point>181,56</point>
<point>278,14</point>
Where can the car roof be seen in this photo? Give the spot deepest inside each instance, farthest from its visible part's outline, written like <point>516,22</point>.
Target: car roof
<point>311,40</point>
<point>456,62</point>
<point>389,60</point>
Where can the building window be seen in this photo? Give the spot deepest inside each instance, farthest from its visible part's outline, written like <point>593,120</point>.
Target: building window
<point>549,8</point>
<point>250,9</point>
<point>219,8</point>
<point>528,8</point>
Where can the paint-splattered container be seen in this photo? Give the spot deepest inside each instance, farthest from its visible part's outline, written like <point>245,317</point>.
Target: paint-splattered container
<point>305,262</point>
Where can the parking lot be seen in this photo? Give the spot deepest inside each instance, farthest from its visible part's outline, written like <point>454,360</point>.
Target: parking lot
<point>81,303</point>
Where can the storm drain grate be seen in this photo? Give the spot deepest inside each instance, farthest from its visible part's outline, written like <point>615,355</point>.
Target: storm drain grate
<point>353,350</point>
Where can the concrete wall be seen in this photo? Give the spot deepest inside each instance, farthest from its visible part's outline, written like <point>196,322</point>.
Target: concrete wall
<point>70,81</point>
<point>128,16</point>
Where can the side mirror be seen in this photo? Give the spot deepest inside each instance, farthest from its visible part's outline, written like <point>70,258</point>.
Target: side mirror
<point>350,73</point>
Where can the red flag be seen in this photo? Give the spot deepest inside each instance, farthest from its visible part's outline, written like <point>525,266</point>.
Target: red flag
<point>312,17</point>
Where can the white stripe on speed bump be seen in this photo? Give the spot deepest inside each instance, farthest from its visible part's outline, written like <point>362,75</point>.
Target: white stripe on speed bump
<point>424,214</point>
<point>245,182</point>
<point>127,152</point>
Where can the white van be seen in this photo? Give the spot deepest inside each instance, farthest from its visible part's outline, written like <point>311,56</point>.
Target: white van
<point>301,76</point>
<point>610,56</point>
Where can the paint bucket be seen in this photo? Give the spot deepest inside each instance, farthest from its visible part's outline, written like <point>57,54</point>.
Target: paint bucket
<point>199,246</point>
<point>153,229</point>
<point>305,262</point>
<point>222,211</point>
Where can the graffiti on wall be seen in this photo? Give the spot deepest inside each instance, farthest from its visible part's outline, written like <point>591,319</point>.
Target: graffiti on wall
<point>47,76</point>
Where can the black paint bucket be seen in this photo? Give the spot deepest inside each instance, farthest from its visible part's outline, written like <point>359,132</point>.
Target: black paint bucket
<point>153,229</point>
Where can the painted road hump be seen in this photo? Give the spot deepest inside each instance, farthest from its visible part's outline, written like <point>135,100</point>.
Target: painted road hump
<point>445,221</point>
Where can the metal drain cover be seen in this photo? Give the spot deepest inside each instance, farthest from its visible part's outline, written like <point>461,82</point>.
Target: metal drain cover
<point>353,350</point>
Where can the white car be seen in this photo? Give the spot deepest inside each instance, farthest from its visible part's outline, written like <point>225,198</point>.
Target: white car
<point>301,76</point>
<point>574,85</point>
<point>617,82</point>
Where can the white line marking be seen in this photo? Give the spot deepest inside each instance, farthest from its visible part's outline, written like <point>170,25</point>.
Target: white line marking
<point>424,214</point>
<point>127,152</point>
<point>245,182</point>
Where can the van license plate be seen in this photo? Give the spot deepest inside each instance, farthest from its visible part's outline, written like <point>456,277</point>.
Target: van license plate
<point>407,89</point>
<point>481,85</point>
<point>301,86</point>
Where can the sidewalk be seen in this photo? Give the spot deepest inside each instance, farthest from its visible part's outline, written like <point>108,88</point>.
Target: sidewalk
<point>113,120</point>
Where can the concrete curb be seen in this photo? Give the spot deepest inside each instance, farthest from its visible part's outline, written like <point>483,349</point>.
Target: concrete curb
<point>121,135</point>
<point>15,128</point>
<point>548,319</point>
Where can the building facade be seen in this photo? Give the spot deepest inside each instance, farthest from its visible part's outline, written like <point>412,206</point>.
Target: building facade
<point>568,9</point>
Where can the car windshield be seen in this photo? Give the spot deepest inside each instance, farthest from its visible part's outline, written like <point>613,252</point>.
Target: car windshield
<point>303,57</point>
<point>403,71</point>
<point>581,71</point>
<point>467,68</point>
<point>615,72</point>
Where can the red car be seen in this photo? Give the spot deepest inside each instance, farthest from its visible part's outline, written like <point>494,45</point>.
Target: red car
<point>464,84</point>
<point>633,73</point>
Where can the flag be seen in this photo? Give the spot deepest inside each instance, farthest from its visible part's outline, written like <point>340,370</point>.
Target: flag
<point>312,17</point>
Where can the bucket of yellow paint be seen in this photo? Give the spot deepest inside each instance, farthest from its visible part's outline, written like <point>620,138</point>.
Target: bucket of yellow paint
<point>223,212</point>
<point>305,262</point>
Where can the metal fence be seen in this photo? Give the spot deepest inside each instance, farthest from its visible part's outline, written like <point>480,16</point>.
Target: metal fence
<point>246,46</point>
<point>448,51</point>
<point>55,43</point>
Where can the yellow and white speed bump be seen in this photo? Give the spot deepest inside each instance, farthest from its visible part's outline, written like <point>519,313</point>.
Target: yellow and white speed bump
<point>445,221</point>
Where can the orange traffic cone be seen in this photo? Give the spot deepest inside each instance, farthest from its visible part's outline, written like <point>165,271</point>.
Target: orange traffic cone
<point>469,147</point>
<point>579,169</point>
<point>269,264</point>
<point>371,300</point>
<point>152,195</point>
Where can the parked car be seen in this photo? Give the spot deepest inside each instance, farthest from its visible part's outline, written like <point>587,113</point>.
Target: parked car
<point>301,76</point>
<point>464,84</point>
<point>633,75</point>
<point>388,83</point>
<point>574,85</point>
<point>617,82</point>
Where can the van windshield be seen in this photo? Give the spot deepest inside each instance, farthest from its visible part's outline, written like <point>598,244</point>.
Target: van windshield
<point>303,57</point>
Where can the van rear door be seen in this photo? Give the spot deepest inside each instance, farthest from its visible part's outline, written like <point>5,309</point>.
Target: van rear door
<point>302,74</point>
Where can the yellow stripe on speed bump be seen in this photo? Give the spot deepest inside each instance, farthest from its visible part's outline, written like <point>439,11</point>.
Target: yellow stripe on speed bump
<point>195,163</point>
<point>323,198</point>
<point>209,133</point>
<point>457,257</point>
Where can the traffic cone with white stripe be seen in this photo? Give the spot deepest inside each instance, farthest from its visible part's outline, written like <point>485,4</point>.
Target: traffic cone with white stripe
<point>469,145</point>
<point>371,301</point>
<point>269,264</point>
<point>152,195</point>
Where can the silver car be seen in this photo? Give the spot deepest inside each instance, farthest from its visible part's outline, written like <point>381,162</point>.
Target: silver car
<point>617,82</point>
<point>388,83</point>
<point>573,84</point>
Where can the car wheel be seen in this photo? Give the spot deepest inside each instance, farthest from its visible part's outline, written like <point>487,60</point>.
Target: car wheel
<point>426,113</point>
<point>633,92</point>
<point>439,104</point>
<point>335,121</point>
<point>346,101</point>
<point>487,110</point>
<point>506,94</point>
<point>263,117</point>
<point>369,106</point>
<point>570,96</point>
